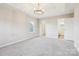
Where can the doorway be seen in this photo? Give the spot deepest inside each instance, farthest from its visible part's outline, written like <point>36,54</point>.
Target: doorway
<point>51,30</point>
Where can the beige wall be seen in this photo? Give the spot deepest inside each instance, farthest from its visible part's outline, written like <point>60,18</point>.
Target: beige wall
<point>14,25</point>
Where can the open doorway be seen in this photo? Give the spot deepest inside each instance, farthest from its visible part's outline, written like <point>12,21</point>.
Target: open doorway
<point>51,30</point>
<point>48,28</point>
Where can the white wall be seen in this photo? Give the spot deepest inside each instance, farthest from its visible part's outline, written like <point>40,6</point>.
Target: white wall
<point>76,26</point>
<point>14,25</point>
<point>51,31</point>
<point>68,32</point>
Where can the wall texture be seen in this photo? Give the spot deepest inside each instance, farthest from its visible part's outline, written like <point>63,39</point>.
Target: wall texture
<point>14,25</point>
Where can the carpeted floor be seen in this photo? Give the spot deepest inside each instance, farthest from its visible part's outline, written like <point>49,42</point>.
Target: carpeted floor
<point>40,46</point>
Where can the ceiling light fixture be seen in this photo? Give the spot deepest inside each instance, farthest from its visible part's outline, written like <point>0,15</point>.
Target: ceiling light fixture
<point>38,9</point>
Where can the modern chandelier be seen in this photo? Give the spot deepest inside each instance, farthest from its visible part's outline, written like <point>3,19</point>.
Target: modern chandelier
<point>38,9</point>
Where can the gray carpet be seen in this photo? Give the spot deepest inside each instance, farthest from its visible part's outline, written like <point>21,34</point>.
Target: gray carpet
<point>40,46</point>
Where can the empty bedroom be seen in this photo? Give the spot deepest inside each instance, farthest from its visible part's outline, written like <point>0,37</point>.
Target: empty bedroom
<point>39,29</point>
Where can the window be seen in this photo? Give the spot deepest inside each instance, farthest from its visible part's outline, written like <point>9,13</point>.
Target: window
<point>31,27</point>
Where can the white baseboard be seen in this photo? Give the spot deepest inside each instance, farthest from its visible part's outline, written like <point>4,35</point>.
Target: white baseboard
<point>16,41</point>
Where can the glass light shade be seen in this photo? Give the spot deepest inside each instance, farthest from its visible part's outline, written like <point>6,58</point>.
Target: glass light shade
<point>38,11</point>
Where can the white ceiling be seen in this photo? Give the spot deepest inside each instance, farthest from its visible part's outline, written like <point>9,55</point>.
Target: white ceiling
<point>50,9</point>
